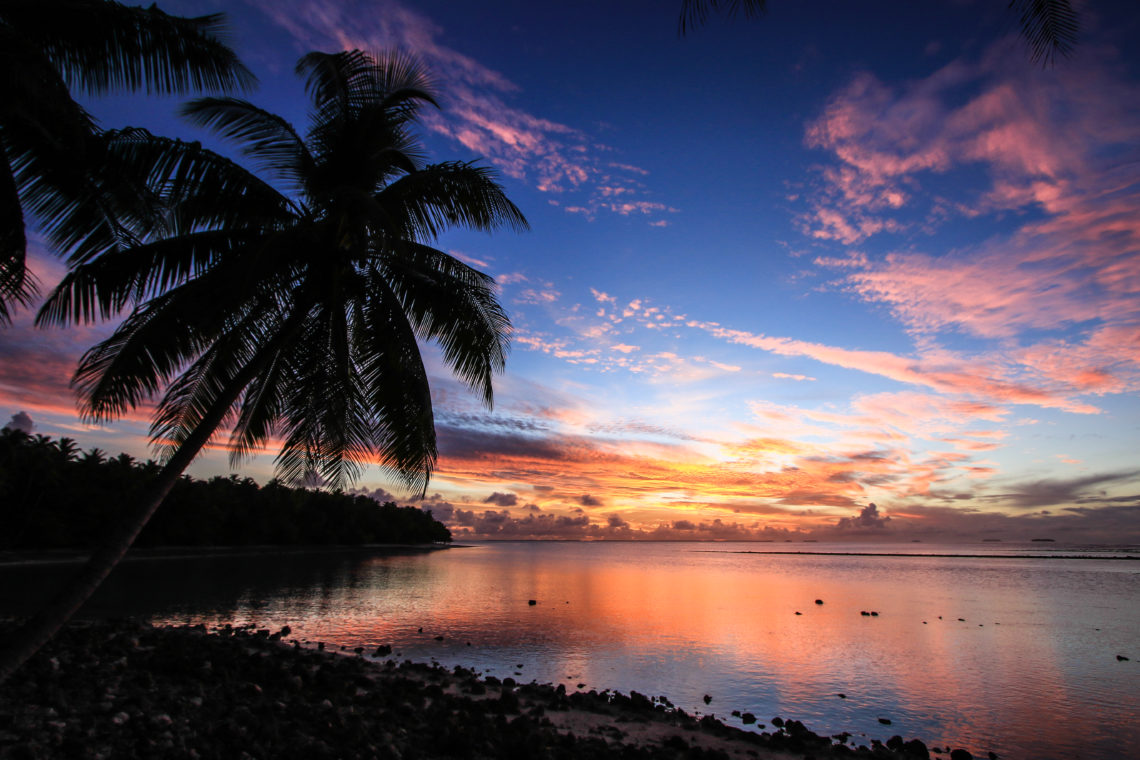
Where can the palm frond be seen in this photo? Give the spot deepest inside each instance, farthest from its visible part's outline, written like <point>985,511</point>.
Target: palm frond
<point>1050,27</point>
<point>267,138</point>
<point>17,286</point>
<point>101,45</point>
<point>457,306</point>
<point>451,194</point>
<point>695,13</point>
<point>340,84</point>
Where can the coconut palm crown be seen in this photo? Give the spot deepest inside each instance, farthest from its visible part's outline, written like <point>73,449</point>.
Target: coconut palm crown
<point>295,314</point>
<point>52,162</point>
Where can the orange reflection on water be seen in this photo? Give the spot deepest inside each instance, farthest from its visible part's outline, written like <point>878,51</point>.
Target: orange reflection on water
<point>683,621</point>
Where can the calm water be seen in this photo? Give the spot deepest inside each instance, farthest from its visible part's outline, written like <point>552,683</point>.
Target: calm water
<point>1029,672</point>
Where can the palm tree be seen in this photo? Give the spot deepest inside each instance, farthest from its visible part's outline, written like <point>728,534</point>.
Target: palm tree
<point>1049,26</point>
<point>52,160</point>
<point>290,316</point>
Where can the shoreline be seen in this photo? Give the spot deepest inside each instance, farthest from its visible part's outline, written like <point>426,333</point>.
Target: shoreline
<point>128,689</point>
<point>75,556</point>
<point>916,555</point>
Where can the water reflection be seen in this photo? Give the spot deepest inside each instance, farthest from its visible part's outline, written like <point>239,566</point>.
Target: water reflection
<point>1023,665</point>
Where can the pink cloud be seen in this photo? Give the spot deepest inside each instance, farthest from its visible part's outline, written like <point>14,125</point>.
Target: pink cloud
<point>1063,146</point>
<point>947,374</point>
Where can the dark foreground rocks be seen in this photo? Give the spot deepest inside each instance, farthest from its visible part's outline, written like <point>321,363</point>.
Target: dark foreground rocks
<point>128,690</point>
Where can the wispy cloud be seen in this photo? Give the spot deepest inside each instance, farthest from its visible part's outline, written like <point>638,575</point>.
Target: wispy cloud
<point>478,111</point>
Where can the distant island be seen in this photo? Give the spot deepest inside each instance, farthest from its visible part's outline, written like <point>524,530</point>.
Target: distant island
<point>53,496</point>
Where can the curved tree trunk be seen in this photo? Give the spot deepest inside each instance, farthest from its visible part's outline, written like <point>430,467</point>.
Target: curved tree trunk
<point>27,640</point>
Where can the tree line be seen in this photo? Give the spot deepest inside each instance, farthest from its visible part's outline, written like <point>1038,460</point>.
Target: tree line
<point>53,495</point>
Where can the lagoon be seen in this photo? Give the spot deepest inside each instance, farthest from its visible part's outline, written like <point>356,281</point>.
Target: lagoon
<point>995,647</point>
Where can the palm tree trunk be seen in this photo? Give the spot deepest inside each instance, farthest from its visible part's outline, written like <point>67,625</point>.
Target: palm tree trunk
<point>27,640</point>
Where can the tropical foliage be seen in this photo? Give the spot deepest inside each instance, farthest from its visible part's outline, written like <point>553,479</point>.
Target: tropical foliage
<point>53,163</point>
<point>53,495</point>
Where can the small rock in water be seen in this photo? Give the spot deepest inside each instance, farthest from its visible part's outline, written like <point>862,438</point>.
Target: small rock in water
<point>799,613</point>
<point>532,602</point>
<point>1121,658</point>
<point>819,601</point>
<point>708,699</point>
<point>960,754</point>
<point>439,638</point>
<point>885,721</point>
<point>874,614</point>
<point>992,755</point>
<point>748,718</point>
<point>864,613</point>
<point>841,695</point>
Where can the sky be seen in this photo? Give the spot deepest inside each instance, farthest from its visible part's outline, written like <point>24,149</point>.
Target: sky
<point>849,270</point>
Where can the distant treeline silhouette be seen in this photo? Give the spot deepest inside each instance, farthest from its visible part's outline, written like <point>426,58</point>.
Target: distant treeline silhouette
<point>53,495</point>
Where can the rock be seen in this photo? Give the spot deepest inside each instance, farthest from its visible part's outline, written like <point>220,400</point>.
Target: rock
<point>799,613</point>
<point>885,721</point>
<point>916,749</point>
<point>1121,658</point>
<point>819,601</point>
<point>532,602</point>
<point>439,638</point>
<point>864,613</point>
<point>874,614</point>
<point>383,650</point>
<point>960,754</point>
<point>992,755</point>
<point>747,718</point>
<point>841,695</point>
<point>708,699</point>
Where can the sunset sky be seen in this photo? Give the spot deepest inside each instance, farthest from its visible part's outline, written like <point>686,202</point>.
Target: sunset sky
<point>779,269</point>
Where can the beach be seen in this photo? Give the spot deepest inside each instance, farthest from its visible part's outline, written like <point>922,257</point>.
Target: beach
<point>127,689</point>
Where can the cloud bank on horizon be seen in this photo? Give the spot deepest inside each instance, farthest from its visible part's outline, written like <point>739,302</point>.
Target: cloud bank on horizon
<point>946,345</point>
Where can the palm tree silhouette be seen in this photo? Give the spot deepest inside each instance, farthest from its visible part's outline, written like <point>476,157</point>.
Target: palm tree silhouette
<point>1049,26</point>
<point>51,154</point>
<point>290,316</point>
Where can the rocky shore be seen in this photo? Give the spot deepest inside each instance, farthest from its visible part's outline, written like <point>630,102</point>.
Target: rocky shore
<point>128,690</point>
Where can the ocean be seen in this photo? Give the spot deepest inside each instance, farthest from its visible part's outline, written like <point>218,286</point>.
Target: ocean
<point>1008,648</point>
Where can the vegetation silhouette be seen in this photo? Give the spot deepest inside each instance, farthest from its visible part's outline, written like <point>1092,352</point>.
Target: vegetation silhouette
<point>54,496</point>
<point>1050,27</point>
<point>53,161</point>
<point>289,316</point>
